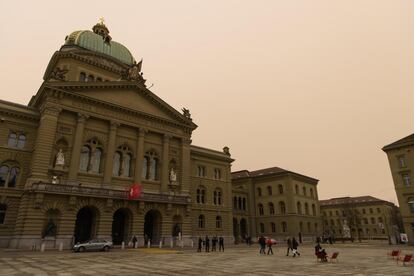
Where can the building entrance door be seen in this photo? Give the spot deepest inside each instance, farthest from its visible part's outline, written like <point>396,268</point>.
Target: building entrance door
<point>152,226</point>
<point>85,224</point>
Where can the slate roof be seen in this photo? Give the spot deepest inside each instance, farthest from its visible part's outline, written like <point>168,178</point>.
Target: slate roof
<point>349,200</point>
<point>406,141</point>
<point>265,172</point>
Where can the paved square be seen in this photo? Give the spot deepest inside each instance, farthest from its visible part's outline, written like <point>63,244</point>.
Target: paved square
<point>354,259</point>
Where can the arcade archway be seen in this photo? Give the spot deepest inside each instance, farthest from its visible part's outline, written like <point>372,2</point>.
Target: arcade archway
<point>86,224</point>
<point>121,225</point>
<point>152,226</point>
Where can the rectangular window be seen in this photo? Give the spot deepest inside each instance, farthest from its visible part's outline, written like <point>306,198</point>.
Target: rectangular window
<point>201,171</point>
<point>406,179</point>
<point>217,173</point>
<point>262,228</point>
<point>401,161</point>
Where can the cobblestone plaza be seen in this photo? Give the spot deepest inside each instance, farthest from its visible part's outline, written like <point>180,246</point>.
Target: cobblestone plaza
<point>354,259</point>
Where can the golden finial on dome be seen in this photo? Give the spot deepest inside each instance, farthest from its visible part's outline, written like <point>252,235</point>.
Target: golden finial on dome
<point>102,30</point>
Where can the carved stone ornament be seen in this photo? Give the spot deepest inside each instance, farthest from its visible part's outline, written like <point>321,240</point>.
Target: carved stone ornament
<point>134,73</point>
<point>186,113</point>
<point>60,159</point>
<point>173,176</point>
<point>58,74</point>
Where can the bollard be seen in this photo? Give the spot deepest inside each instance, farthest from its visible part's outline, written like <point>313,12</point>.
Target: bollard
<point>61,246</point>
<point>192,243</point>
<point>42,248</point>
<point>149,244</point>
<point>160,244</point>
<point>123,245</point>
<point>172,243</point>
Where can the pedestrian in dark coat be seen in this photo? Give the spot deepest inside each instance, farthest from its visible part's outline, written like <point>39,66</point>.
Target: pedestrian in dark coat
<point>200,244</point>
<point>295,245</point>
<point>289,246</point>
<point>207,242</point>
<point>134,241</point>
<point>262,244</point>
<point>221,244</point>
<point>214,241</point>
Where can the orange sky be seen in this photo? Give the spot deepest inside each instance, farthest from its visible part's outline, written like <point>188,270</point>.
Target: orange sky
<point>317,87</point>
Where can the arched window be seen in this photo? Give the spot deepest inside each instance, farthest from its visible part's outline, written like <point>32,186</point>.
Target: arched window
<point>259,191</point>
<point>201,193</point>
<point>299,208</point>
<point>273,227</point>
<point>98,79</point>
<point>145,168</point>
<point>311,192</point>
<point>269,190</point>
<point>296,189</point>
<point>271,208</point>
<point>117,164</point>
<point>306,209</point>
<point>372,220</point>
<point>309,227</point>
<point>218,222</point>
<point>3,209</point>
<point>235,203</point>
<point>240,203</point>
<point>261,211</point>
<point>313,210</point>
<point>122,162</point>
<point>262,228</point>
<point>219,197</point>
<point>12,142</point>
<point>244,204</point>
<point>21,141</point>
<point>9,175</point>
<point>82,76</point>
<point>215,198</point>
<point>316,227</point>
<point>201,221</point>
<point>91,78</point>
<point>304,191</point>
<point>332,222</point>
<point>96,160</point>
<point>284,227</point>
<point>152,166</point>
<point>301,227</point>
<point>282,207</point>
<point>280,189</point>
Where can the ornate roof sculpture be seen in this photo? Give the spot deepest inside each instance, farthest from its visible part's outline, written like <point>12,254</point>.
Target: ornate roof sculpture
<point>100,41</point>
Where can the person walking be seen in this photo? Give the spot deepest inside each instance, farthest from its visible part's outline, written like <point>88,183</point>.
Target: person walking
<point>262,244</point>
<point>295,245</point>
<point>269,246</point>
<point>221,244</point>
<point>207,242</point>
<point>289,246</point>
<point>214,241</point>
<point>200,244</point>
<point>134,241</point>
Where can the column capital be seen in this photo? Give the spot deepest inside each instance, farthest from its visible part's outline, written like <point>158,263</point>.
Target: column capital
<point>114,124</point>
<point>82,117</point>
<point>167,138</point>
<point>186,141</point>
<point>142,131</point>
<point>51,110</point>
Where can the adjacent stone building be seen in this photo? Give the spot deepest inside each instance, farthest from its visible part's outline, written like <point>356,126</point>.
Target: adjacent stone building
<point>401,160</point>
<point>360,218</point>
<point>275,203</point>
<point>93,129</point>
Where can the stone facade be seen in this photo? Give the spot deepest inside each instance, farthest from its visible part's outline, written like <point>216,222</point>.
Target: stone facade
<point>93,129</point>
<point>401,160</point>
<point>275,203</point>
<point>360,218</point>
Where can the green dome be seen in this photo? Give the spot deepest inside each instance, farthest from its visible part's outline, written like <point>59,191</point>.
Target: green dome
<point>94,42</point>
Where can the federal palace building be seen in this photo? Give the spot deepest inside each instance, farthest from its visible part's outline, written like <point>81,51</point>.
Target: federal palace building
<point>93,129</point>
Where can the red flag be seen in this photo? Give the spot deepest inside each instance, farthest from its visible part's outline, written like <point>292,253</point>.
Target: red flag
<point>134,191</point>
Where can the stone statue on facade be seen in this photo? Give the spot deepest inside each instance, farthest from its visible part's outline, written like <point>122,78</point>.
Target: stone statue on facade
<point>173,176</point>
<point>186,113</point>
<point>58,74</point>
<point>60,159</point>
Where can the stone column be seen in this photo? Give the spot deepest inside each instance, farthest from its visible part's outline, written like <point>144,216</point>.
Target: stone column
<point>46,133</point>
<point>139,155</point>
<point>185,165</point>
<point>76,149</point>
<point>110,153</point>
<point>165,162</point>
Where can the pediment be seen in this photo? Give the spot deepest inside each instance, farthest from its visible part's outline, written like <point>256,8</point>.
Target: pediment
<point>128,96</point>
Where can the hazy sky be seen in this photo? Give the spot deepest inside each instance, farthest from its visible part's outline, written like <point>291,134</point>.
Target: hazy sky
<point>317,87</point>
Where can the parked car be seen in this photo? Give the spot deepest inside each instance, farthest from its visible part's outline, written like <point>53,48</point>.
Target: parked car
<point>93,245</point>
